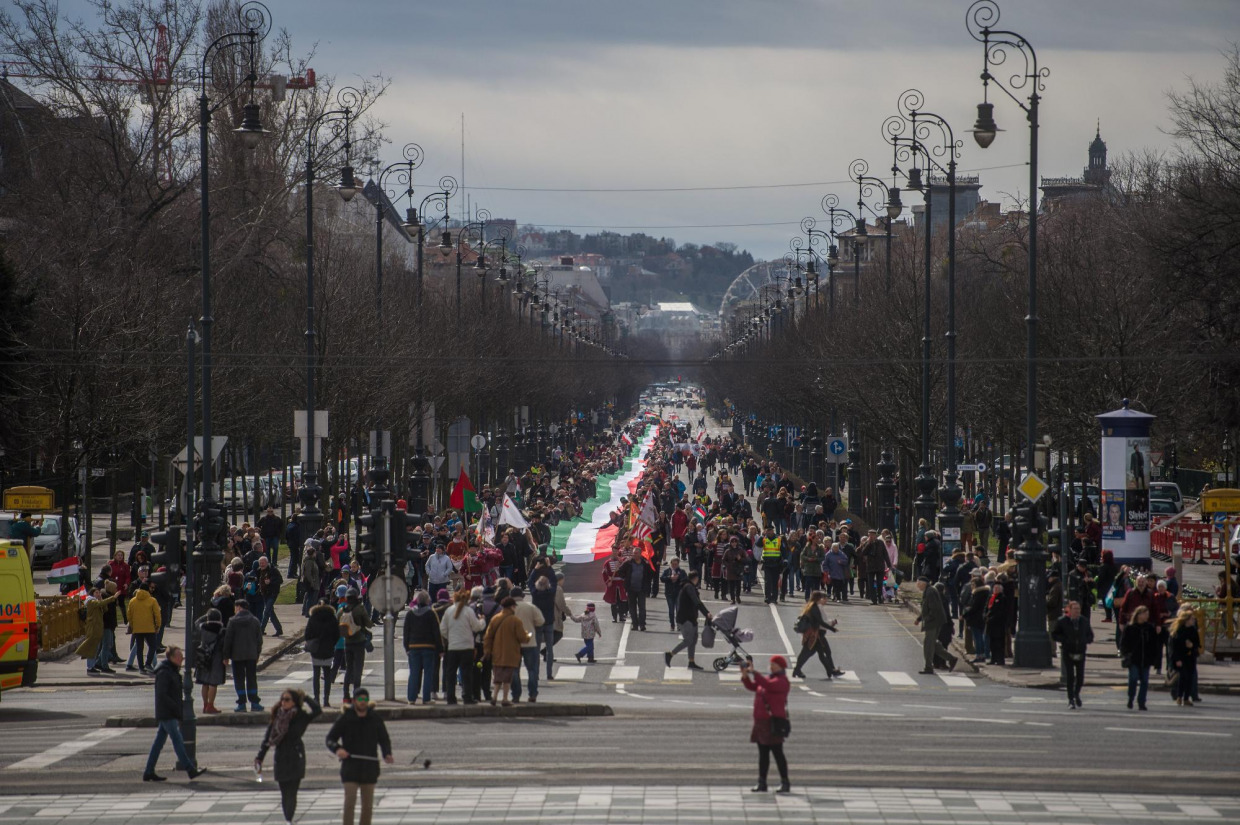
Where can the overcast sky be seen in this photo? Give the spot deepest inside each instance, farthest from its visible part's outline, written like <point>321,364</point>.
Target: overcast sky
<point>712,93</point>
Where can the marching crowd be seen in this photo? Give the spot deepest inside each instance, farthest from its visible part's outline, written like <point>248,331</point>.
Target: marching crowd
<point>488,607</point>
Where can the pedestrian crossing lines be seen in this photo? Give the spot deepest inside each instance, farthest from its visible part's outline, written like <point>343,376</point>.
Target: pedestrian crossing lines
<point>685,676</point>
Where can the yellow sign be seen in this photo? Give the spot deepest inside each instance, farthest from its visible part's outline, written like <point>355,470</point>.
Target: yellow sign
<point>22,499</point>
<point>1220,501</point>
<point>1033,487</point>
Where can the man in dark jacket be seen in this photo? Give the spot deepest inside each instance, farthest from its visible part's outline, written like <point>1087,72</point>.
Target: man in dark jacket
<point>876,563</point>
<point>169,701</point>
<point>356,738</point>
<point>674,579</point>
<point>243,644</point>
<point>270,529</point>
<point>269,583</point>
<point>1073,634</point>
<point>932,619</point>
<point>633,574</point>
<point>687,608</point>
<point>543,594</point>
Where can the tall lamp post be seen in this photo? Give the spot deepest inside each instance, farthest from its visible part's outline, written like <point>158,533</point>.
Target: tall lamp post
<point>905,148</point>
<point>837,215</point>
<point>255,23</point>
<point>402,172</point>
<point>858,170</point>
<point>926,126</point>
<point>482,267</point>
<point>347,101</point>
<point>462,237</point>
<point>1031,646</point>
<point>415,219</point>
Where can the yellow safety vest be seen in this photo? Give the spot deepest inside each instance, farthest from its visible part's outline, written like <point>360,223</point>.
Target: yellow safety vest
<point>770,548</point>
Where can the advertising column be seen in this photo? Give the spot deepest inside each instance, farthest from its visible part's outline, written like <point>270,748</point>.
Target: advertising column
<point>1125,512</point>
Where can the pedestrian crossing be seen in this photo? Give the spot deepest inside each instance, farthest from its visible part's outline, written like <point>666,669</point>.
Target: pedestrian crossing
<point>682,675</point>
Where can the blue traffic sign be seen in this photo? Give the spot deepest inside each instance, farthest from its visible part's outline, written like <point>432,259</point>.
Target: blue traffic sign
<point>1220,521</point>
<point>837,446</point>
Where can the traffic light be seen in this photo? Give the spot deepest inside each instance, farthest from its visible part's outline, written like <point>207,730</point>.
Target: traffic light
<point>368,541</point>
<point>400,543</point>
<point>210,525</point>
<point>167,555</point>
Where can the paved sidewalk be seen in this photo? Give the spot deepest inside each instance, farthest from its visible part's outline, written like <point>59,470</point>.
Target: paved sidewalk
<point>729,804</point>
<point>70,670</point>
<point>1102,662</point>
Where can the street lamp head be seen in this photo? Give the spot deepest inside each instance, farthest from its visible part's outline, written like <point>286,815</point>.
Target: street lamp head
<point>518,287</point>
<point>811,269</point>
<point>503,275</point>
<point>412,222</point>
<point>251,130</point>
<point>894,206</point>
<point>480,265</point>
<point>797,287</point>
<point>862,232</point>
<point>348,185</point>
<point>445,243</point>
<point>833,255</point>
<point>914,179</point>
<point>985,129</point>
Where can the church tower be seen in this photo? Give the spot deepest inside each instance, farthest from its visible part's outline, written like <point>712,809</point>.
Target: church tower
<point>1097,173</point>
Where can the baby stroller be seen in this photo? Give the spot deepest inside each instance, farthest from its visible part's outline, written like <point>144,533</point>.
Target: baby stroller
<point>724,624</point>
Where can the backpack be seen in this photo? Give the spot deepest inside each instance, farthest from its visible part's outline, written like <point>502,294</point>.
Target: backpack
<point>205,653</point>
<point>348,625</point>
<point>802,624</point>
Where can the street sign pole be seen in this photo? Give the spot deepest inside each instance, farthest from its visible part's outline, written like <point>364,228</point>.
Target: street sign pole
<point>389,617</point>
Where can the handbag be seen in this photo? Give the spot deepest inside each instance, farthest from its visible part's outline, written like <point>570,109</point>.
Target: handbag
<point>780,726</point>
<point>1173,678</point>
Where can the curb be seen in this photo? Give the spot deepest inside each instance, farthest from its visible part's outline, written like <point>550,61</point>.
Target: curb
<point>390,713</point>
<point>287,643</point>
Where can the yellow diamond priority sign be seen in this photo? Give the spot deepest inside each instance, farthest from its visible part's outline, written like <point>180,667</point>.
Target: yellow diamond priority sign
<point>1032,487</point>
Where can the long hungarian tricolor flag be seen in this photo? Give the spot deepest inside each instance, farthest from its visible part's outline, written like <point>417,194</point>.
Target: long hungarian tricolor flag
<point>64,572</point>
<point>463,497</point>
<point>699,513</point>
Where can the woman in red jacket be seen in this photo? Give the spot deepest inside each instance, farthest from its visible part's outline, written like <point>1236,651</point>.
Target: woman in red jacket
<point>770,701</point>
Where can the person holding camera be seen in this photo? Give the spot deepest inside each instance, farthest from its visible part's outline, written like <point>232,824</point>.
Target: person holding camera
<point>770,719</point>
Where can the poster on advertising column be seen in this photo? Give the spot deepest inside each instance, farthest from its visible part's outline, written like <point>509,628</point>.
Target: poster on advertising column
<point>1136,478</point>
<point>1113,515</point>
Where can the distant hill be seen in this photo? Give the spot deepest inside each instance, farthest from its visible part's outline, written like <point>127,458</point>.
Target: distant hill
<point>646,269</point>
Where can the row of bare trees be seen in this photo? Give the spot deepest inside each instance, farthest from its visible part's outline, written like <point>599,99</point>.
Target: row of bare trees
<point>1138,298</point>
<point>101,251</point>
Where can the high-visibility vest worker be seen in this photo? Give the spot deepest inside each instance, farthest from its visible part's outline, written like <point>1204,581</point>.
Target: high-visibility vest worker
<point>771,549</point>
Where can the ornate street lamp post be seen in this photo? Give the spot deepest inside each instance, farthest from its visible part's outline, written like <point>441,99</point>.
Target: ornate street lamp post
<point>1031,647</point>
<point>347,100</point>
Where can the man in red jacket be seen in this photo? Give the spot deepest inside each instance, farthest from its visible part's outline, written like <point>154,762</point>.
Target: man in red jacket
<point>680,522</point>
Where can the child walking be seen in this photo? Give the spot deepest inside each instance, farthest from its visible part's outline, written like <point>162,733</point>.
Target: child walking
<point>589,630</point>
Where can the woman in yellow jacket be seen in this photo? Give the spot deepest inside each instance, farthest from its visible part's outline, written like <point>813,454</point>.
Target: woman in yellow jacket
<point>144,623</point>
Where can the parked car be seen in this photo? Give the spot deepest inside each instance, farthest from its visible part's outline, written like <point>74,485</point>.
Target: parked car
<point>49,547</point>
<point>1167,490</point>
<point>1163,507</point>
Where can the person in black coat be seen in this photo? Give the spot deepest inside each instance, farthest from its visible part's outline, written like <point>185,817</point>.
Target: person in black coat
<point>169,710</point>
<point>1139,649</point>
<point>356,738</point>
<point>814,637</point>
<point>996,624</point>
<point>289,719</point>
<point>322,634</point>
<point>1073,633</point>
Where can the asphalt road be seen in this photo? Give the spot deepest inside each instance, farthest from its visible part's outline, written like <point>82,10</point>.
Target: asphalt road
<point>884,724</point>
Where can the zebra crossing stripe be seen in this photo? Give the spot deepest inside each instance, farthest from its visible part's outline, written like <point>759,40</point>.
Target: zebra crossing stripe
<point>296,677</point>
<point>623,673</point>
<point>896,678</point>
<point>956,680</point>
<point>570,673</point>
